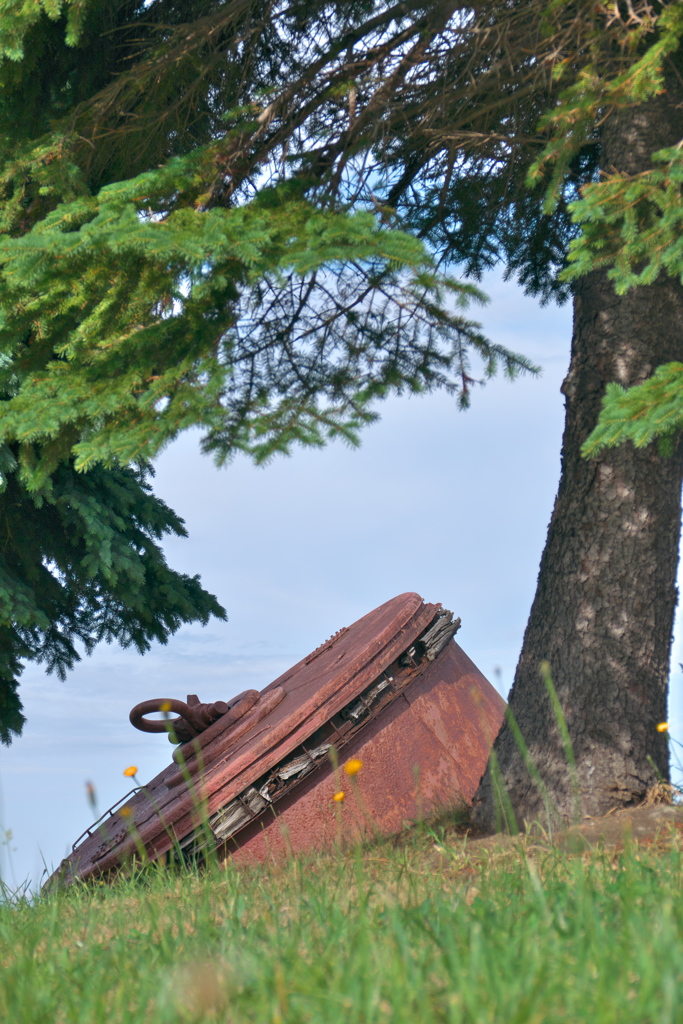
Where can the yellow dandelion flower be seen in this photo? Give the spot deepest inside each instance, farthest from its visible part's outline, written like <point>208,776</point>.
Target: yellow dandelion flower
<point>338,797</point>
<point>131,772</point>
<point>125,812</point>
<point>663,727</point>
<point>165,707</point>
<point>353,766</point>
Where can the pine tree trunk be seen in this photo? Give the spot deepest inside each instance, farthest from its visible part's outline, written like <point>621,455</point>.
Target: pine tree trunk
<point>603,612</point>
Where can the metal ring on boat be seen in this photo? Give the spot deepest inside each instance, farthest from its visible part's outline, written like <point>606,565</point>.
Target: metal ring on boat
<point>192,718</point>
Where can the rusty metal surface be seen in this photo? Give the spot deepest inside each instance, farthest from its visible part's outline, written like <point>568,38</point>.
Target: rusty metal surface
<point>425,749</point>
<point>438,713</point>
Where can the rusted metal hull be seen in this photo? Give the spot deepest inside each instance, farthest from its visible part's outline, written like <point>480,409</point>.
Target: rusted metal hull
<point>425,752</point>
<point>393,690</point>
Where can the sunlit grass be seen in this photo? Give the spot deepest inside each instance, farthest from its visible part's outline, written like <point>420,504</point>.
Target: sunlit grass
<point>421,931</point>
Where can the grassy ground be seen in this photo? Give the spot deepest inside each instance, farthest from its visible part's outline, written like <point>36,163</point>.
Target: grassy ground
<point>420,933</point>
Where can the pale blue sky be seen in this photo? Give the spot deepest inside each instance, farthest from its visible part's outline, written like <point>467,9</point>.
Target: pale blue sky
<point>452,505</point>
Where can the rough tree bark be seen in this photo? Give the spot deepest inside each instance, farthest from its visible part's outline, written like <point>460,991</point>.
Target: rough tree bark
<point>603,612</point>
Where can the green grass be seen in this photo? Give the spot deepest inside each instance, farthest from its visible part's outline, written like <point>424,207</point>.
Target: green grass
<point>418,933</point>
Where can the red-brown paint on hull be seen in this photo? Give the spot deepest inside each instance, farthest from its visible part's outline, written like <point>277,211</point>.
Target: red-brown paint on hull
<point>425,752</point>
<point>424,745</point>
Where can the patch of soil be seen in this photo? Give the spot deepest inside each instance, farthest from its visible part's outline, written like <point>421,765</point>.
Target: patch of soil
<point>647,825</point>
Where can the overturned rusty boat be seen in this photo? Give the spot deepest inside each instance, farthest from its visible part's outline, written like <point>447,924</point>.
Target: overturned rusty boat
<point>263,775</point>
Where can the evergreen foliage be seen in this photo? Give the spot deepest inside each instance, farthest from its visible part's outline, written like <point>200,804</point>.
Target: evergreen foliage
<point>136,308</point>
<point>79,563</point>
<point>200,207</point>
<point>631,225</point>
<point>139,298</point>
<point>649,411</point>
<point>265,324</point>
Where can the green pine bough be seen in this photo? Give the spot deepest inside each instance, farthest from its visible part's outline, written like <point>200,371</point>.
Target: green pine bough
<point>138,299</point>
<point>81,562</point>
<point>129,316</point>
<point>136,303</point>
<point>651,411</point>
<point>631,226</point>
